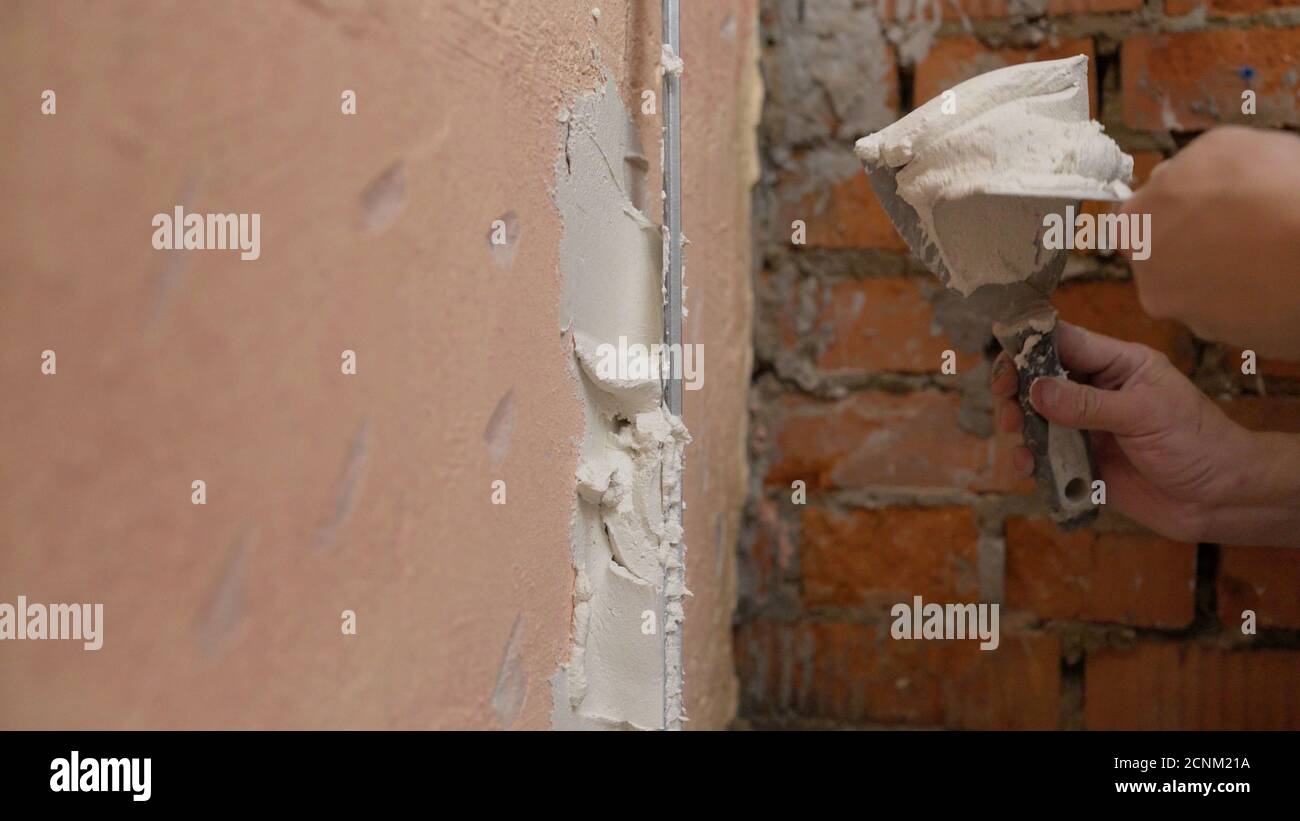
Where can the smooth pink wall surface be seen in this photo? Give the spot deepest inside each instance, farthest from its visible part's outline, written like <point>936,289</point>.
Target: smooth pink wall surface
<point>325,491</point>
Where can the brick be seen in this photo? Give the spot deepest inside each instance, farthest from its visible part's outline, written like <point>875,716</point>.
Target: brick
<point>759,663</point>
<point>1144,162</point>
<point>768,557</point>
<point>954,59</point>
<point>1173,686</point>
<point>882,324</point>
<point>1086,575</point>
<point>1192,81</point>
<point>1271,413</point>
<point>1112,308</point>
<point>844,213</point>
<point>857,673</point>
<point>1226,7</point>
<point>873,559</point>
<point>1263,579</point>
<point>877,439</point>
<point>1016,687</point>
<point>1276,367</point>
<point>1264,367</point>
<point>891,11</point>
<point>1057,8</point>
<point>757,556</point>
<point>1001,9</point>
<point>778,303</point>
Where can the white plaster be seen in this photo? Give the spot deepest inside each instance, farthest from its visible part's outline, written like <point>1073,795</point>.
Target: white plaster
<point>982,164</point>
<point>624,533</point>
<point>1022,358</point>
<point>669,62</point>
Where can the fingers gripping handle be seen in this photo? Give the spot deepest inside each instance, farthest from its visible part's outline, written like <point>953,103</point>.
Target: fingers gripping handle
<point>1063,463</point>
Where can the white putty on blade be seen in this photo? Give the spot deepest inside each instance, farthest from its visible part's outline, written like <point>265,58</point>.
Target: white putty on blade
<point>625,526</point>
<point>986,152</point>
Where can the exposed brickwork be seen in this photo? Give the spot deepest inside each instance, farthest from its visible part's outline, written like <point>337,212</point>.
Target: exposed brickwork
<point>858,325</point>
<point>1128,578</point>
<point>857,674</point>
<point>1162,685</point>
<point>1194,80</point>
<point>875,439</point>
<point>1112,308</point>
<point>1263,579</point>
<point>769,547</point>
<point>909,492</point>
<point>845,214</point>
<point>1144,162</point>
<point>1227,7</point>
<point>1265,367</point>
<point>1001,9</point>
<point>872,559</point>
<point>955,59</point>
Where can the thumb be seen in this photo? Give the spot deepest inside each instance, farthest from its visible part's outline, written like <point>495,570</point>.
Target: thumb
<point>1083,406</point>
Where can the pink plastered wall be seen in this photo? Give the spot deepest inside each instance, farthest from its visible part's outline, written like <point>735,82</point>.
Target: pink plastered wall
<point>328,492</point>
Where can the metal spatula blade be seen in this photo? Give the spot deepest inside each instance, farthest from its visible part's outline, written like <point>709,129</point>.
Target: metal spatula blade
<point>1025,325</point>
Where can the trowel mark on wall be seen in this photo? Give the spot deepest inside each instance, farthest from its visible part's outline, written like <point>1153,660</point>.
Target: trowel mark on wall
<point>176,260</point>
<point>719,542</point>
<point>635,170</point>
<point>512,679</point>
<point>503,254</point>
<point>499,427</point>
<point>224,608</point>
<point>355,18</point>
<point>348,488</point>
<point>384,198</point>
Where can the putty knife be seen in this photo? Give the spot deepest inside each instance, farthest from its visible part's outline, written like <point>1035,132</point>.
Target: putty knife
<point>1024,323</point>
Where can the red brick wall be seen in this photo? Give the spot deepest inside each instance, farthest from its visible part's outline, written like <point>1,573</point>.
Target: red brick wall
<point>908,492</point>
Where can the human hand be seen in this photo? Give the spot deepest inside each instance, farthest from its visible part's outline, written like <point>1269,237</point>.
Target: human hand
<point>1170,458</point>
<point>1225,239</point>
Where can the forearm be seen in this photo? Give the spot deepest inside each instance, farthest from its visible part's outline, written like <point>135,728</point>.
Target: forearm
<point>1278,457</point>
<point>1257,526</point>
<point>1265,509</point>
<point>1258,315</point>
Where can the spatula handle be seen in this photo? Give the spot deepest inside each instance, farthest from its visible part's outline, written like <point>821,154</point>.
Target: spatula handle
<point>1063,463</point>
